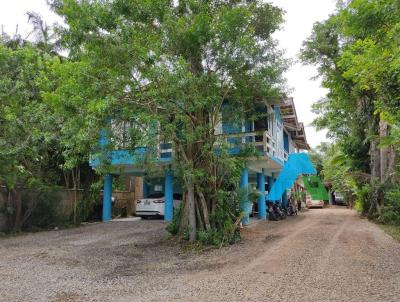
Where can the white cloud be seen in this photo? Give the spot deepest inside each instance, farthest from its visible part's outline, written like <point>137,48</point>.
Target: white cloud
<point>13,14</point>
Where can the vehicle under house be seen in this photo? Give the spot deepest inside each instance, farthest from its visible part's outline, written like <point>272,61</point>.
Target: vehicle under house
<point>278,138</point>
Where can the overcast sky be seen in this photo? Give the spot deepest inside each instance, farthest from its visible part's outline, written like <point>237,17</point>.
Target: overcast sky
<point>300,16</point>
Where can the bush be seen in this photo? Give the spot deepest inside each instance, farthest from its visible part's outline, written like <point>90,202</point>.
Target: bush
<point>89,208</point>
<point>391,211</point>
<point>363,201</point>
<point>43,205</point>
<point>217,237</point>
<point>173,227</point>
<point>223,229</point>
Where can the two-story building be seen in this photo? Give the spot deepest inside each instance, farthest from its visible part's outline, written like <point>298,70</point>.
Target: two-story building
<point>278,138</point>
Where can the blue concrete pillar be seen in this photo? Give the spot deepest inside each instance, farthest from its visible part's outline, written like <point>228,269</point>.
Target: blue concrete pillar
<point>145,189</point>
<point>107,195</point>
<point>262,212</point>
<point>169,196</point>
<point>244,184</point>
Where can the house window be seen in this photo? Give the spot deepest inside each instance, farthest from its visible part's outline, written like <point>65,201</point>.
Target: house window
<point>285,141</point>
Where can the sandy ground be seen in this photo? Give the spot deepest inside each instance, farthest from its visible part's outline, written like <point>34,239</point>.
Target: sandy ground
<point>321,255</point>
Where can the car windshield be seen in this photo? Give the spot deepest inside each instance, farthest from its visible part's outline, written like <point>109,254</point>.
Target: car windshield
<point>156,195</point>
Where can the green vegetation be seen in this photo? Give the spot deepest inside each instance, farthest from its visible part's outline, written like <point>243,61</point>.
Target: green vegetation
<point>34,151</point>
<point>357,53</point>
<point>392,230</point>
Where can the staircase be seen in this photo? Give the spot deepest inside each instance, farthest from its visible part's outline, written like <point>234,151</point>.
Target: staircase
<point>296,165</point>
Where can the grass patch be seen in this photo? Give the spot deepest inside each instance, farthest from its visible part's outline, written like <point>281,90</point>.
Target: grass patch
<point>392,230</point>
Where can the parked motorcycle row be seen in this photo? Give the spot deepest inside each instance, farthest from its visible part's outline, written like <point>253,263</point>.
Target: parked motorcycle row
<point>277,212</point>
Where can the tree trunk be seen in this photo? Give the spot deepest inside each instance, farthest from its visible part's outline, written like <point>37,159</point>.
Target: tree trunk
<point>384,152</point>
<point>17,201</point>
<point>392,161</point>
<point>185,214</point>
<point>200,224</point>
<point>375,161</point>
<point>204,210</point>
<point>191,210</point>
<point>75,181</point>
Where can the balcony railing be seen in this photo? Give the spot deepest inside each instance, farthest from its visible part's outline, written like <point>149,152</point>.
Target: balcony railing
<point>263,142</point>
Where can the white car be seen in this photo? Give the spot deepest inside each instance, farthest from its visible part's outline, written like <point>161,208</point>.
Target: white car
<point>311,203</point>
<point>154,204</point>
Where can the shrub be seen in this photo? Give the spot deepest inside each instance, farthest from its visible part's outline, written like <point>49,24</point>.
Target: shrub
<point>89,208</point>
<point>391,211</point>
<point>42,205</point>
<point>223,228</point>
<point>363,200</point>
<point>173,227</point>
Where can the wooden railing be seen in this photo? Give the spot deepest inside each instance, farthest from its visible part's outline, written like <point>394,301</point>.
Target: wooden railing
<point>263,141</point>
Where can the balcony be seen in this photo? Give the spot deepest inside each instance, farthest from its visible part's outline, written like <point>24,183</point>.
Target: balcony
<point>262,141</point>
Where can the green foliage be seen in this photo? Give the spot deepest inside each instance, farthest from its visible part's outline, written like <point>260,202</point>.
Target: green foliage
<point>26,146</point>
<point>89,206</point>
<point>173,227</point>
<point>253,195</point>
<point>316,158</point>
<point>392,230</point>
<point>225,220</point>
<point>45,210</point>
<point>391,211</point>
<point>363,200</point>
<point>356,50</point>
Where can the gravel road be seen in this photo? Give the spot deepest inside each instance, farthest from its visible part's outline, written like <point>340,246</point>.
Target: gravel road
<point>321,255</point>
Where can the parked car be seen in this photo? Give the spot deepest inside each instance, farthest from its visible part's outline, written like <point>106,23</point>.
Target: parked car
<point>339,199</point>
<point>312,203</point>
<point>154,204</point>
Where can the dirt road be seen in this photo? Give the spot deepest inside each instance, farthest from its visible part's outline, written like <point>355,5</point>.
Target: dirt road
<point>321,255</point>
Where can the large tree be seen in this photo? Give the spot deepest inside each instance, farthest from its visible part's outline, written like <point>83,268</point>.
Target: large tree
<point>177,63</point>
<point>356,50</point>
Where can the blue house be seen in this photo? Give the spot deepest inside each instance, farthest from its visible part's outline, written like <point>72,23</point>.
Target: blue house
<point>278,138</point>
